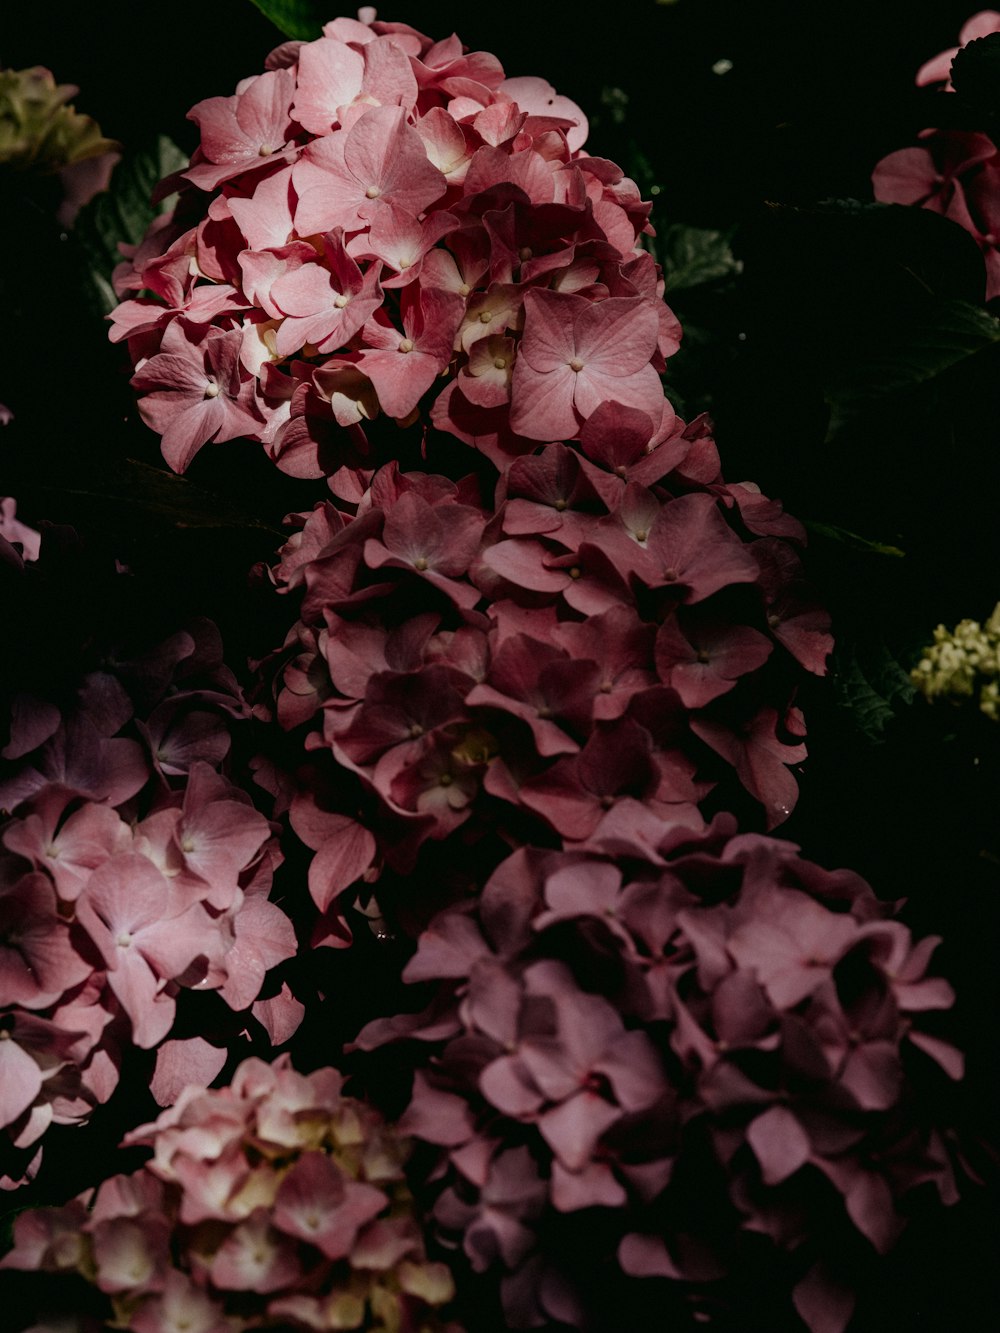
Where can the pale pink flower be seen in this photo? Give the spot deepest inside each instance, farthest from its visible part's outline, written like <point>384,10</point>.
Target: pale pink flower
<point>575,355</point>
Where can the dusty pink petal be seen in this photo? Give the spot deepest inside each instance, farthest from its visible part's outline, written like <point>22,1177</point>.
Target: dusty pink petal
<point>594,1186</point>
<point>825,1305</point>
<point>329,77</point>
<point>279,1016</point>
<point>780,1144</point>
<point>20,1079</point>
<point>317,1203</point>
<point>347,852</point>
<point>131,1255</point>
<point>179,1064</point>
<point>38,962</point>
<point>573,1128</point>
<point>255,1257</point>
<point>264,937</point>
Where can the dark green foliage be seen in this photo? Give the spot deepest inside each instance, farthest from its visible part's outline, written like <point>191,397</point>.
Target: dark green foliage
<point>299,19</point>
<point>121,214</point>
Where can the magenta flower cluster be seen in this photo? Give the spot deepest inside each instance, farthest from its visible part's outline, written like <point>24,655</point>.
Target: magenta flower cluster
<point>603,1016</point>
<point>595,637</point>
<point>953,172</point>
<point>130,867</point>
<point>275,1188</point>
<point>372,216</point>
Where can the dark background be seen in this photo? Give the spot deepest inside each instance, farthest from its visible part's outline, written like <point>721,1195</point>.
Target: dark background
<point>817,93</point>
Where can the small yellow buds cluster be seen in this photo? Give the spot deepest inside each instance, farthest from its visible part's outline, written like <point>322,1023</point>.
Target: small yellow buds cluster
<point>38,131</point>
<point>963,663</point>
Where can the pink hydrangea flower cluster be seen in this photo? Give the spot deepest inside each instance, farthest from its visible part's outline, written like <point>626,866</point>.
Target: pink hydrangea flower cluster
<point>595,637</point>
<point>274,1202</point>
<point>663,1026</point>
<point>954,173</point>
<point>130,867</point>
<point>380,223</point>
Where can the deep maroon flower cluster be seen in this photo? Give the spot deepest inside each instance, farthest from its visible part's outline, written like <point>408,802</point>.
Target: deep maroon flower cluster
<point>597,637</point>
<point>377,211</point>
<point>130,867</point>
<point>665,1031</point>
<point>954,172</point>
<point>276,1188</point>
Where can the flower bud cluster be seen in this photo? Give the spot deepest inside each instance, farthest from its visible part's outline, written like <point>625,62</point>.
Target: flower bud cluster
<point>963,663</point>
<point>275,1202</point>
<point>682,1035</point>
<point>955,173</point>
<point>130,867</point>
<point>380,223</point>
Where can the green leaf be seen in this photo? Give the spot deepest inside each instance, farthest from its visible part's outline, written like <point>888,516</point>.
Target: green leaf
<point>872,686</point>
<point>138,494</point>
<point>846,538</point>
<point>692,256</point>
<point>295,18</point>
<point>975,75</point>
<point>898,355</point>
<point>122,213</point>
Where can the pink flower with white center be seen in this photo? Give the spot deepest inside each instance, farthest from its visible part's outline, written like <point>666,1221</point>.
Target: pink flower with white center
<point>344,180</point>
<point>438,545</point>
<point>193,391</point>
<point>68,850</point>
<point>575,355</point>
<point>216,837</point>
<point>333,76</point>
<point>317,1203</point>
<point>403,367</point>
<point>245,132</point>
<point>255,1257</point>
<point>148,933</point>
<point>485,379</point>
<point>325,304</point>
<point>702,660</point>
<point>401,241</point>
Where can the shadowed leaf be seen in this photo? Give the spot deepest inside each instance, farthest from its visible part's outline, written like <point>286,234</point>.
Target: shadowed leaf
<point>298,19</point>
<point>121,214</point>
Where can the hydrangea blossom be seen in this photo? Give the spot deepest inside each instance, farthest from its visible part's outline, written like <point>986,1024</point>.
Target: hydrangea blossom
<point>380,223</point>
<point>130,868</point>
<point>685,1036</point>
<point>593,639</point>
<point>954,173</point>
<point>274,1202</point>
